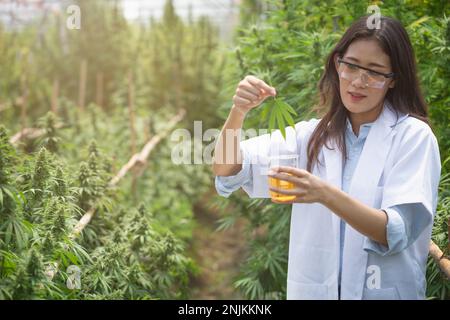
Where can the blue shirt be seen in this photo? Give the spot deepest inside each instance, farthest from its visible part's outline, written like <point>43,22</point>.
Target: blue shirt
<point>354,145</point>
<point>401,229</point>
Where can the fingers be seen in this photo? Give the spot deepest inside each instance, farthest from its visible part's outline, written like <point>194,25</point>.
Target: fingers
<point>297,199</point>
<point>285,177</point>
<point>282,202</point>
<point>251,92</point>
<point>241,101</point>
<point>247,95</point>
<point>261,85</point>
<point>244,85</point>
<point>288,192</point>
<point>297,172</point>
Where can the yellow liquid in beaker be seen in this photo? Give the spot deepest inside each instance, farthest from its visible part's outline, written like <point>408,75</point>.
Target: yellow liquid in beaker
<point>281,184</point>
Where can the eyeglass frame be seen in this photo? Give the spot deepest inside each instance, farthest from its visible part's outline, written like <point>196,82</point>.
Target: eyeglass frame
<point>389,75</point>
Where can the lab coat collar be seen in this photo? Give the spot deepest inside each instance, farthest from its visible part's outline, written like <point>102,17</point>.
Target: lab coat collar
<point>388,116</point>
<point>391,117</point>
<point>383,126</point>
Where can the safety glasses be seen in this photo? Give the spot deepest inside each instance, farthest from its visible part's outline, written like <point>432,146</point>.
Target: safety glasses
<point>370,78</point>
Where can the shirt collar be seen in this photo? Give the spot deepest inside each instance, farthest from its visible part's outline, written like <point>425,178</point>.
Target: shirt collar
<point>363,130</point>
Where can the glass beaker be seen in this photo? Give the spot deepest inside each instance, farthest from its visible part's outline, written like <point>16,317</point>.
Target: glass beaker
<point>288,160</point>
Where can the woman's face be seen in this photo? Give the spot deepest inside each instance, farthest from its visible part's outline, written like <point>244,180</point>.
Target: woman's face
<point>366,53</point>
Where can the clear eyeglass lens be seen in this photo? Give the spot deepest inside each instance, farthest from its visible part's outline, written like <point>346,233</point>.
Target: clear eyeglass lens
<point>371,79</point>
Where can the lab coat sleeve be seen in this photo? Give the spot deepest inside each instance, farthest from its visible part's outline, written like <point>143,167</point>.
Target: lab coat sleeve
<point>410,192</point>
<point>253,176</point>
<point>225,186</point>
<point>405,223</point>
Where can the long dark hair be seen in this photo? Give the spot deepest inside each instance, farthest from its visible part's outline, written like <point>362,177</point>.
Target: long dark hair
<point>405,97</point>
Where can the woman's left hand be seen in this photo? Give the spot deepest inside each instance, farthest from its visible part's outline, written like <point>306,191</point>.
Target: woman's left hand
<point>307,187</point>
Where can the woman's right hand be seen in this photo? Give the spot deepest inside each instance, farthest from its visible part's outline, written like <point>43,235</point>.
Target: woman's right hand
<point>250,93</point>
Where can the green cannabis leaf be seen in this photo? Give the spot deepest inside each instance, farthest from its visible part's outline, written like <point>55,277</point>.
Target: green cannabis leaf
<point>281,114</point>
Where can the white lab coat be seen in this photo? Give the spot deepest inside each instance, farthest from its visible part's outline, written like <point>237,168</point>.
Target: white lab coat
<point>399,164</point>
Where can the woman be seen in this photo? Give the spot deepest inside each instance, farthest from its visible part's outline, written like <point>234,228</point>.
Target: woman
<point>366,187</point>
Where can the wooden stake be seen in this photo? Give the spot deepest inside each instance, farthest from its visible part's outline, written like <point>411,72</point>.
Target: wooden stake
<point>448,236</point>
<point>4,106</point>
<point>55,95</point>
<point>131,115</point>
<point>146,132</point>
<point>99,90</point>
<point>26,133</point>
<point>31,133</point>
<point>23,103</point>
<point>438,256</point>
<point>82,86</point>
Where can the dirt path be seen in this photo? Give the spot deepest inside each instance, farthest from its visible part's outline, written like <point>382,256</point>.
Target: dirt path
<point>218,254</point>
